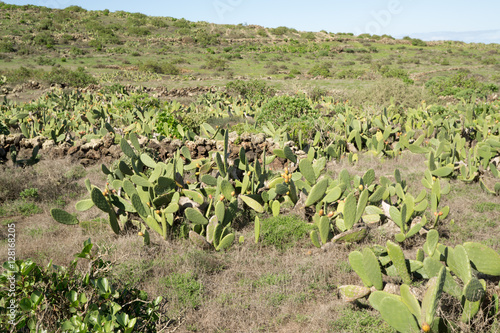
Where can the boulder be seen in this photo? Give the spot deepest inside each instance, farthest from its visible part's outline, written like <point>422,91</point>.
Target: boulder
<point>48,144</point>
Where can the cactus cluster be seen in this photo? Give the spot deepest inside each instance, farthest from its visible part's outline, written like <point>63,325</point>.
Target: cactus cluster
<point>458,277</point>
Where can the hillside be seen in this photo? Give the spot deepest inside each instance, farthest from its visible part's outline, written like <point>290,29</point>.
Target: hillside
<point>48,46</point>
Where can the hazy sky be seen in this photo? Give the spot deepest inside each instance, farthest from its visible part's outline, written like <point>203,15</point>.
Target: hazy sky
<point>393,17</point>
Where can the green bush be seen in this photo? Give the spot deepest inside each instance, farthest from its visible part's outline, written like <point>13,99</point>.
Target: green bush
<point>317,94</point>
<point>193,120</point>
<point>7,46</point>
<point>281,110</point>
<point>308,35</point>
<point>349,73</point>
<point>398,73</point>
<point>44,39</point>
<point>418,42</point>
<point>460,85</point>
<point>67,77</point>
<point>76,9</point>
<point>167,125</point>
<point>250,89</point>
<point>218,64</point>
<point>43,61</point>
<point>283,232</point>
<point>185,288</point>
<point>21,74</point>
<point>262,32</point>
<point>182,23</point>
<point>55,298</point>
<point>77,51</point>
<point>279,31</point>
<point>29,193</point>
<point>159,68</point>
<point>205,39</point>
<point>158,22</point>
<point>320,70</point>
<point>139,31</point>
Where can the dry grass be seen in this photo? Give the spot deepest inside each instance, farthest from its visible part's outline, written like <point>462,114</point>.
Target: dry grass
<point>250,288</point>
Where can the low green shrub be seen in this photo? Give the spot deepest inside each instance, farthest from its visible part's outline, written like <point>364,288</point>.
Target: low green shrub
<point>7,46</point>
<point>250,89</point>
<point>218,64</point>
<point>397,73</point>
<point>167,125</point>
<point>320,70</point>
<point>185,288</point>
<point>159,68</point>
<point>349,73</point>
<point>460,85</point>
<point>67,77</point>
<point>281,110</point>
<point>55,298</point>
<point>139,31</point>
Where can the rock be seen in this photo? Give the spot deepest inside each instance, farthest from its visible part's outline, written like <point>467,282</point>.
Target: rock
<point>166,141</point>
<point>143,140</point>
<point>93,155</point>
<point>201,151</point>
<point>48,144</point>
<point>258,139</point>
<point>30,143</point>
<point>57,152</point>
<point>86,162</point>
<point>154,144</point>
<point>232,136</point>
<point>245,137</point>
<point>107,140</point>
<point>300,208</point>
<point>185,202</point>
<point>115,151</point>
<point>327,246</point>
<point>77,155</point>
<point>389,229</point>
<point>234,152</point>
<point>199,141</point>
<point>391,288</point>
<point>73,150</point>
<point>351,148</point>
<point>2,140</point>
<point>191,146</point>
<point>176,144</point>
<point>14,139</point>
<point>251,156</point>
<point>94,144</point>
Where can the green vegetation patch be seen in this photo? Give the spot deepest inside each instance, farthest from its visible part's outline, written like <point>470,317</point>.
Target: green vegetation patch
<point>281,109</point>
<point>283,232</point>
<point>185,288</point>
<point>359,321</point>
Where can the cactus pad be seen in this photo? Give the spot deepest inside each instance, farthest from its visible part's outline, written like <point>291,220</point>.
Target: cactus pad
<point>484,259</point>
<point>63,217</point>
<point>352,293</point>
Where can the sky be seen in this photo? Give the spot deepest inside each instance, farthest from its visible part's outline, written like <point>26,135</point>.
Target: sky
<point>471,21</point>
